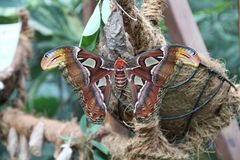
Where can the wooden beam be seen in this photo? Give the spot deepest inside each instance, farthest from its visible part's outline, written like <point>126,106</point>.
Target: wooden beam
<point>227,142</point>
<point>182,26</point>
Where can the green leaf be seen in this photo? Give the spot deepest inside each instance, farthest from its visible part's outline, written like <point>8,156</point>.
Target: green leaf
<point>100,147</point>
<point>40,27</point>
<point>200,16</point>
<point>83,124</point>
<point>75,25</point>
<point>89,42</point>
<point>54,18</point>
<point>94,128</point>
<point>44,105</point>
<point>99,156</point>
<point>105,10</point>
<point>94,22</point>
<point>34,88</point>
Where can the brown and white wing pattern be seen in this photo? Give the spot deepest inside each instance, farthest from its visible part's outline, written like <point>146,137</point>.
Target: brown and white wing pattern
<point>85,74</point>
<point>152,70</point>
<point>147,73</point>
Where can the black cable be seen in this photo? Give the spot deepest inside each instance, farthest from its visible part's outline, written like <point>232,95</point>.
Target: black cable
<point>210,74</point>
<point>163,118</point>
<point>184,81</point>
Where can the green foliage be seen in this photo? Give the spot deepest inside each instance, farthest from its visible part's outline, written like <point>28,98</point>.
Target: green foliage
<point>83,124</point>
<point>91,32</point>
<point>55,25</point>
<point>217,21</point>
<point>46,106</point>
<point>8,13</point>
<point>43,103</point>
<point>57,22</point>
<point>8,19</point>
<point>93,129</point>
<point>88,129</point>
<point>89,42</point>
<point>97,155</point>
<point>100,147</point>
<point>98,150</point>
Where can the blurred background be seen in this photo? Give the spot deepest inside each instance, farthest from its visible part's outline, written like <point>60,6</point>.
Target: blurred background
<point>61,22</point>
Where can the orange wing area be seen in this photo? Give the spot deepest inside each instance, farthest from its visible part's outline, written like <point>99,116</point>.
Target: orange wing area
<point>185,54</point>
<point>174,53</point>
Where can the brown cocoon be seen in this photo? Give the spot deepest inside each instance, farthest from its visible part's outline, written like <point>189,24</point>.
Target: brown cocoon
<point>24,152</point>
<point>66,152</point>
<point>12,144</point>
<point>36,139</point>
<point>24,123</point>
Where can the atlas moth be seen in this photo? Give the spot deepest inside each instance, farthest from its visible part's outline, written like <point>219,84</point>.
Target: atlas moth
<point>93,75</point>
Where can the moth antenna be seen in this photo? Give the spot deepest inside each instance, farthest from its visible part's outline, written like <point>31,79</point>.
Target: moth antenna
<point>120,7</point>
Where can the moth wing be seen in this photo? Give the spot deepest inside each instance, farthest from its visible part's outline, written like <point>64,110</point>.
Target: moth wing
<point>96,97</point>
<point>96,65</point>
<point>143,63</point>
<point>154,68</point>
<point>144,92</point>
<point>185,54</point>
<point>97,93</point>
